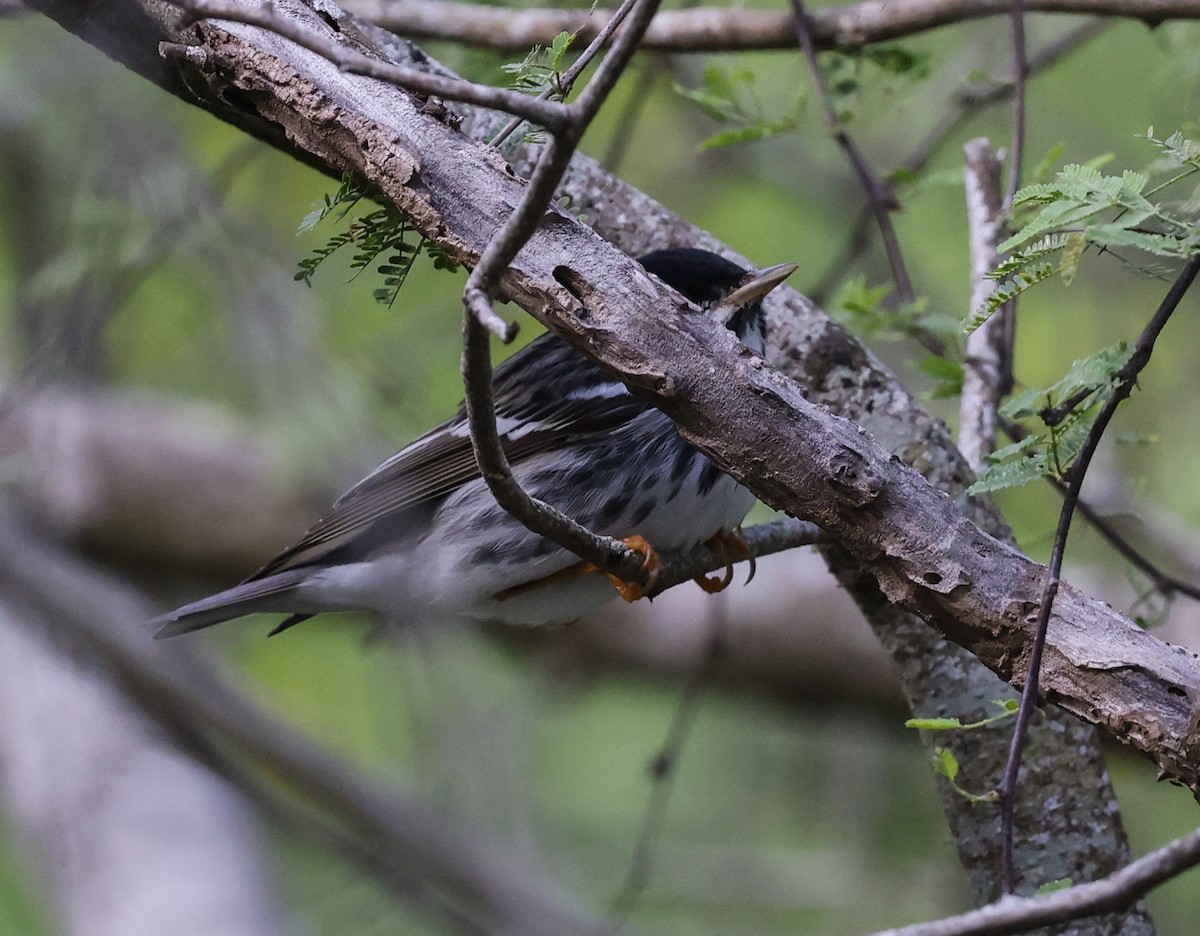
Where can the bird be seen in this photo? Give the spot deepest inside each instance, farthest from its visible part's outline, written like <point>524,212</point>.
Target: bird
<point>422,537</point>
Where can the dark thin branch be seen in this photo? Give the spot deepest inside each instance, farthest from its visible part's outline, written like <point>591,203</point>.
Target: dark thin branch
<point>548,114</point>
<point>1163,582</point>
<point>880,197</point>
<point>1020,74</point>
<point>607,553</point>
<point>1053,415</point>
<point>1114,893</point>
<point>965,104</point>
<point>1126,379</point>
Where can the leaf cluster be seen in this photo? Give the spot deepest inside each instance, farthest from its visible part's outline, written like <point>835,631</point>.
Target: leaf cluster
<point>381,239</point>
<point>1063,414</point>
<point>848,72</point>
<point>945,764</point>
<point>1082,208</point>
<point>728,96</point>
<point>539,74</point>
<point>864,310</point>
<point>541,69</point>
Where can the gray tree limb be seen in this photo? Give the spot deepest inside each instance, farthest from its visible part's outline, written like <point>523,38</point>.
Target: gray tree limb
<point>724,29</point>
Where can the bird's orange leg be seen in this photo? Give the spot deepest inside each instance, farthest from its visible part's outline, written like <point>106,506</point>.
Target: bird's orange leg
<point>730,546</point>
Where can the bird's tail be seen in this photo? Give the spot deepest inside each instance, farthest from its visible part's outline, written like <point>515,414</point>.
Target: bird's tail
<point>273,593</point>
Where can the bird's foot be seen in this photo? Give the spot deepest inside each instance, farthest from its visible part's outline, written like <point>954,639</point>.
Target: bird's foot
<point>632,591</point>
<point>731,546</point>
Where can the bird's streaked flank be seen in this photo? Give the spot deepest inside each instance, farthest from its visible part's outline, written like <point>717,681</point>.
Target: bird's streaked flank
<point>422,536</point>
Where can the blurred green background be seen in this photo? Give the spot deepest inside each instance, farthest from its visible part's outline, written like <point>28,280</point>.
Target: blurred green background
<point>791,812</point>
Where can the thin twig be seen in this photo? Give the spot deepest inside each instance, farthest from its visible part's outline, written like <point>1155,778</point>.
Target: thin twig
<point>663,769</point>
<point>761,540</point>
<point>548,114</point>
<point>1004,328</point>
<point>880,197</point>
<point>605,552</point>
<point>1020,74</point>
<point>566,81</point>
<point>1108,895</point>
<point>1163,582</point>
<point>1126,378</point>
<point>964,104</point>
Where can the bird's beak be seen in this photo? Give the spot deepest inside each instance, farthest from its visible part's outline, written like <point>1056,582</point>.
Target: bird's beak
<point>759,285</point>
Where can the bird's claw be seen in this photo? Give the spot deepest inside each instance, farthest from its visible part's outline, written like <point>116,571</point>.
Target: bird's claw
<point>632,591</point>
<point>730,546</point>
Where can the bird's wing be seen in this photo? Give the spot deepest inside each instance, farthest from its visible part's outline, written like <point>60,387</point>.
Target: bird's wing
<point>545,396</point>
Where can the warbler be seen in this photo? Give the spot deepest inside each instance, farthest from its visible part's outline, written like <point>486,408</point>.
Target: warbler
<point>422,536</point>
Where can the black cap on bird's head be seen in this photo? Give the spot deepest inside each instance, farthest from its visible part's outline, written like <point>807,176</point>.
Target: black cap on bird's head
<point>710,280</point>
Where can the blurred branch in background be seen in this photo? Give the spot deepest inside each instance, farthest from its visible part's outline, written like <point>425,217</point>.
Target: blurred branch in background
<point>722,29</point>
<point>96,791</point>
<point>415,852</point>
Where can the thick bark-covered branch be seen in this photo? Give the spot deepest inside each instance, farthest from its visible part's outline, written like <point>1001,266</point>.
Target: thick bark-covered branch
<point>724,29</point>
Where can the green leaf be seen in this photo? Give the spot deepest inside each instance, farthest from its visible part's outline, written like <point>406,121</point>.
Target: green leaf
<point>1117,235</point>
<point>750,134</point>
<point>728,97</point>
<point>1093,371</point>
<point>558,49</point>
<point>1051,886</point>
<point>1049,244</point>
<point>1025,279</point>
<point>1136,438</point>
<point>1012,474</point>
<point>948,373</point>
<point>933,724</point>
<point>898,60</point>
<point>1041,172</point>
<point>1013,449</point>
<point>1073,249</point>
<point>945,763</point>
<point>1087,383</point>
